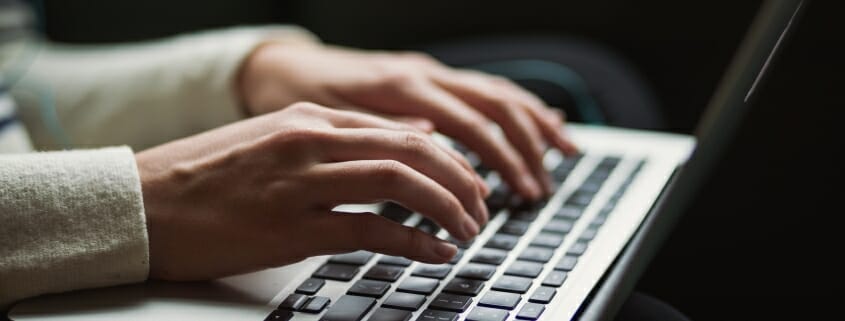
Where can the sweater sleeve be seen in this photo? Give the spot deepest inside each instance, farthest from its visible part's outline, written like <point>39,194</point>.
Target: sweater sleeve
<point>140,94</point>
<point>70,220</point>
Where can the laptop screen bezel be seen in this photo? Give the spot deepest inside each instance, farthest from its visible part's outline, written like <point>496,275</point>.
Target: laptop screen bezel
<point>723,115</point>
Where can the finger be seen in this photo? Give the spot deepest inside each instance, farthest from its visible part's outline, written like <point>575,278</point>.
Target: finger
<point>419,151</point>
<point>551,121</point>
<point>368,181</point>
<point>455,118</point>
<point>355,119</point>
<point>485,190</point>
<point>422,124</point>
<point>350,119</point>
<point>516,122</point>
<point>346,232</point>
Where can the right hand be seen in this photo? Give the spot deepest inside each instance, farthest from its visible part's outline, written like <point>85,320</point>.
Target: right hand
<point>259,193</point>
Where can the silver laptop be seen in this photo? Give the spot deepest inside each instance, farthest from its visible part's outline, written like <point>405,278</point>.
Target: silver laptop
<point>573,256</point>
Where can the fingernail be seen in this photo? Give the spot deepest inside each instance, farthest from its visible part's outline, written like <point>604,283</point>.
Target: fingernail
<point>470,229</point>
<point>445,250</point>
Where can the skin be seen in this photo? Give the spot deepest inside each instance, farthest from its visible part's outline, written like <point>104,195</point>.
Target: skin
<point>214,201</point>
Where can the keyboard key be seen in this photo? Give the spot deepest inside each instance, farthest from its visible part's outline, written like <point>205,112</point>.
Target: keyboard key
<point>437,315</point>
<point>526,269</point>
<point>354,258</point>
<point>536,254</point>
<point>279,315</point>
<point>600,173</point>
<point>607,209</point>
<point>560,173</point>
<point>513,284</point>
<point>434,271</point>
<point>293,302</point>
<point>502,241</point>
<point>339,272</point>
<point>525,215</point>
<point>591,186</point>
<point>310,286</point>
<point>395,260</point>
<point>569,213</point>
<point>455,259</point>
<point>543,294</point>
<point>487,314</point>
<point>460,244</point>
<point>349,308</point>
<point>418,285</point>
<point>578,248</point>
<point>396,212</point>
<point>477,271</point>
<point>316,304</point>
<point>579,199</point>
<point>610,162</point>
<point>404,301</point>
<point>588,234</point>
<point>498,198</point>
<point>451,302</point>
<point>500,300</point>
<point>598,221</point>
<point>489,256</point>
<point>464,286</point>
<point>428,226</point>
<point>384,273</point>
<point>554,278</point>
<point>515,227</point>
<point>558,226</point>
<point>385,314</point>
<point>566,263</point>
<point>549,240</point>
<point>371,288</point>
<point>530,311</point>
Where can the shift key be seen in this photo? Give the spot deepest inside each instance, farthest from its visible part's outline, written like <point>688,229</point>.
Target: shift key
<point>349,308</point>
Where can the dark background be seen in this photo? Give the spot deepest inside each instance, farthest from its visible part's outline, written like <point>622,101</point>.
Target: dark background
<point>762,239</point>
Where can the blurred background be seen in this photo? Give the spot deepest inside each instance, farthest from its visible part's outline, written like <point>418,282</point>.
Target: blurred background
<point>762,241</point>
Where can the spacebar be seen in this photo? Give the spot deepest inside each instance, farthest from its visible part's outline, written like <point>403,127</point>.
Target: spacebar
<point>349,308</point>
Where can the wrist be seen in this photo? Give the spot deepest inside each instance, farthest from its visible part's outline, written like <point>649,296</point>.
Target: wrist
<point>261,85</point>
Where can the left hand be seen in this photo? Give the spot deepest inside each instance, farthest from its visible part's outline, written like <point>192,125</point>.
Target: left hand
<point>459,103</point>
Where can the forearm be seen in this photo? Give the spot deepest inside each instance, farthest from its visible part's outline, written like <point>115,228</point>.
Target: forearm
<point>70,220</point>
<point>141,94</point>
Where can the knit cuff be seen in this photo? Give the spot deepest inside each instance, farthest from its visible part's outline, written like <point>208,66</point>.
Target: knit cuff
<point>70,220</point>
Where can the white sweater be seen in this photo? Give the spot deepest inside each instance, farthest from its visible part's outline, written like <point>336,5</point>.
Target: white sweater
<point>75,219</point>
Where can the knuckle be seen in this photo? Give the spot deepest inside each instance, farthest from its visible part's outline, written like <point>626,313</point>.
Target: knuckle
<point>305,107</point>
<point>417,143</point>
<point>390,172</point>
<point>476,125</point>
<point>397,79</point>
<point>299,137</point>
<point>418,57</point>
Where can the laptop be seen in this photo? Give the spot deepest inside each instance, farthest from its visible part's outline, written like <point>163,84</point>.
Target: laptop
<point>574,256</point>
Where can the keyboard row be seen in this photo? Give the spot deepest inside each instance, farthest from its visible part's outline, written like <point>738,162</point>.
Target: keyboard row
<point>506,291</point>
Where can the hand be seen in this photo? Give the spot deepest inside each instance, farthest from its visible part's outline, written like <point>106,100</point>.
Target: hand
<point>460,103</point>
<point>259,193</point>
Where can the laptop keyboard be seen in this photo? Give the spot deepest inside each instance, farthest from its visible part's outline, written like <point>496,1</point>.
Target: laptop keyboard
<point>482,284</point>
